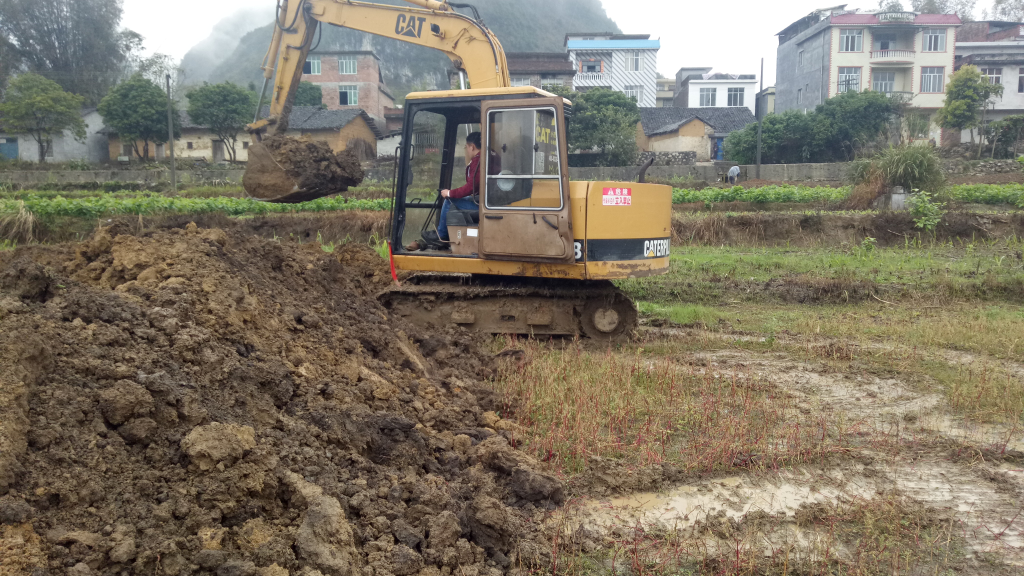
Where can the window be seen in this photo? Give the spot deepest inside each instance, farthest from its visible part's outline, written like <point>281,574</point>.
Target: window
<point>312,66</point>
<point>347,65</point>
<point>994,75</point>
<point>931,79</point>
<point>188,145</point>
<point>592,66</point>
<point>851,40</point>
<point>635,62</point>
<point>883,81</point>
<point>634,92</point>
<point>849,80</point>
<point>735,97</point>
<point>521,81</point>
<point>799,96</point>
<point>1020,81</point>
<point>126,150</point>
<point>245,145</point>
<point>525,142</point>
<point>348,95</point>
<point>551,84</point>
<point>886,42</point>
<point>800,60</point>
<point>934,40</point>
<point>707,96</point>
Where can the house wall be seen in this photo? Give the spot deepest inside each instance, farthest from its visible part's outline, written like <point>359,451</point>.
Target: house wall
<point>114,146</point>
<point>372,97</point>
<point>694,136</point>
<point>92,149</point>
<point>615,75</point>
<point>203,144</point>
<point>810,77</point>
<point>722,94</point>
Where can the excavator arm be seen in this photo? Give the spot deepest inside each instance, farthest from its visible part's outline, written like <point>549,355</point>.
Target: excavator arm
<point>472,48</point>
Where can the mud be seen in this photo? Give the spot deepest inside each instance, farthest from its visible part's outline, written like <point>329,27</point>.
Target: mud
<point>195,401</point>
<point>283,169</point>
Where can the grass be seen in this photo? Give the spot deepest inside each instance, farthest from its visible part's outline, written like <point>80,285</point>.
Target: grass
<point>575,405</point>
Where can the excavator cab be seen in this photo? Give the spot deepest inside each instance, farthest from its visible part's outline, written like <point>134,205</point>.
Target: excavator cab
<point>523,209</point>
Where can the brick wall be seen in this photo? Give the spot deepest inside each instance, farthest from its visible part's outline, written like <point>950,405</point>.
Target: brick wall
<point>372,97</point>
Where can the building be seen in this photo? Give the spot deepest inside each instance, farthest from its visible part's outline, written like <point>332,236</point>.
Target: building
<point>666,92</point>
<point>63,148</point>
<point>699,130</point>
<point>997,49</point>
<point>544,70</point>
<point>696,89</point>
<point>829,51</point>
<point>341,129</point>
<point>767,99</point>
<point>350,81</point>
<point>626,63</point>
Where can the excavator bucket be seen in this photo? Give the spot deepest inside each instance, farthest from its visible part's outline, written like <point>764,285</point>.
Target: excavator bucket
<point>286,170</point>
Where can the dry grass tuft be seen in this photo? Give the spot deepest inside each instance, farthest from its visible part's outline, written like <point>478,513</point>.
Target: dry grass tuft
<point>18,227</point>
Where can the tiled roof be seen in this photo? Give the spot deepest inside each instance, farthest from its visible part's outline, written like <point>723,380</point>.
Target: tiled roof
<point>723,120</point>
<point>316,118</point>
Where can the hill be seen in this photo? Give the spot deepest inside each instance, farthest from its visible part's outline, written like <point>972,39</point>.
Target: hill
<point>521,26</point>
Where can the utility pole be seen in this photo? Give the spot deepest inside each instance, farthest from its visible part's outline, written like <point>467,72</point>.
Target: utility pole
<point>759,107</point>
<point>170,134</point>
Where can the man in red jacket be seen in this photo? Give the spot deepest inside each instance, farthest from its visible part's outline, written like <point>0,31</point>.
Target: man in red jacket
<point>462,197</point>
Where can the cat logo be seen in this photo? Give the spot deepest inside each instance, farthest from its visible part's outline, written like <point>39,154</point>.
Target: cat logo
<point>656,248</point>
<point>411,26</point>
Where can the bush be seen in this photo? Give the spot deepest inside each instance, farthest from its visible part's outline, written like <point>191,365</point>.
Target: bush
<point>926,212</point>
<point>912,167</point>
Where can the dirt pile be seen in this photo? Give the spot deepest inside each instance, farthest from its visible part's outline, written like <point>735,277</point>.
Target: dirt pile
<point>283,169</point>
<point>192,401</point>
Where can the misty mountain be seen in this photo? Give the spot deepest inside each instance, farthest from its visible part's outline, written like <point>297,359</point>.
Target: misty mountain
<point>204,57</point>
<point>521,26</point>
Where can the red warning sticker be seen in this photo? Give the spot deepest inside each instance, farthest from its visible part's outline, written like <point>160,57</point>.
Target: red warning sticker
<point>617,197</point>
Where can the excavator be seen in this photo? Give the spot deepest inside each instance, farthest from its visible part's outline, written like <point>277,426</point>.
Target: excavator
<point>539,253</point>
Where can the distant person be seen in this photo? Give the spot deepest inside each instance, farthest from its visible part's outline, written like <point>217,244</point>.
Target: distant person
<point>734,173</point>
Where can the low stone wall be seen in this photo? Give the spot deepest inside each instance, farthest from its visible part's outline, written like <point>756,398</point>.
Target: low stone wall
<point>668,158</point>
<point>980,167</point>
<point>713,173</point>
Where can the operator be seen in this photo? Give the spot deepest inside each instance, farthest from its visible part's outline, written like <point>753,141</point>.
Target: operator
<point>462,197</point>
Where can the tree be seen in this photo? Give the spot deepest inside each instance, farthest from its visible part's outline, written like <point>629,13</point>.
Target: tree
<point>966,94</point>
<point>1008,10</point>
<point>890,5</point>
<point>137,110</point>
<point>309,94</point>
<point>76,43</point>
<point>37,106</point>
<point>223,108</point>
<point>839,129</point>
<point>603,121</point>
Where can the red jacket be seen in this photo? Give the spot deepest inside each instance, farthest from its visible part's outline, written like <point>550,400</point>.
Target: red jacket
<point>472,180</point>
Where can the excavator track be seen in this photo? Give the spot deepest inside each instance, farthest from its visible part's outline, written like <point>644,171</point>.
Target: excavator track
<point>510,305</point>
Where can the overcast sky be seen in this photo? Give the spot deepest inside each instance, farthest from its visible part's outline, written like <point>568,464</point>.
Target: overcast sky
<point>728,35</point>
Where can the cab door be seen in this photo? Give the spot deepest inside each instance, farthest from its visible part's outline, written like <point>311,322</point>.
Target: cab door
<point>524,207</point>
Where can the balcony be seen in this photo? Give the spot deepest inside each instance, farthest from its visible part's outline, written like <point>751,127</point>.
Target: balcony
<point>893,56</point>
<point>592,77</point>
<point>896,17</point>
<point>900,96</point>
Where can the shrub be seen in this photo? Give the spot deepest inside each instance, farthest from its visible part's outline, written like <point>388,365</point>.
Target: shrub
<point>926,212</point>
<point>911,166</point>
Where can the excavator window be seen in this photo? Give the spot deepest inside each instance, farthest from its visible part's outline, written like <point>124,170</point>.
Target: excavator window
<point>525,142</point>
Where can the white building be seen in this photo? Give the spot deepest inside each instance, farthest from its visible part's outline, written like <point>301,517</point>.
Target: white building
<point>903,54</point>
<point>997,49</point>
<point>626,63</point>
<point>698,88</point>
<point>63,148</point>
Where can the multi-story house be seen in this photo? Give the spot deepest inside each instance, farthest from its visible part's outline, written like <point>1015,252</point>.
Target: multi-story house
<point>349,80</point>
<point>666,92</point>
<point>626,63</point>
<point>905,54</point>
<point>699,88</point>
<point>997,49</point>
<point>543,70</point>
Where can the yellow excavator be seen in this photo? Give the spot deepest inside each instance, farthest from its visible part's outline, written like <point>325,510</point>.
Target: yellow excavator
<point>538,252</point>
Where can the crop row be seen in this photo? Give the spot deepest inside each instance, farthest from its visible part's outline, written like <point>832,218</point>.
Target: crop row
<point>762,194</point>
<point>155,204</point>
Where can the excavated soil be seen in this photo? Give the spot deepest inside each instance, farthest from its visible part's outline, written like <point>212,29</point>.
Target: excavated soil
<point>192,401</point>
<point>284,169</point>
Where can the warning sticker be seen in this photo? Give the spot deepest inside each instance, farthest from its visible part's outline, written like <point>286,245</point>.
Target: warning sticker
<point>617,197</point>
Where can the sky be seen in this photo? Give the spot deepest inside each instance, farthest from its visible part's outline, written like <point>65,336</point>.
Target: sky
<point>730,37</point>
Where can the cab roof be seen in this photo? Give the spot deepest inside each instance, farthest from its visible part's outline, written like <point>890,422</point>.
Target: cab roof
<point>483,92</point>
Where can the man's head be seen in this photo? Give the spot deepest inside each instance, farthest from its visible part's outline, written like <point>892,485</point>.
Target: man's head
<point>472,144</point>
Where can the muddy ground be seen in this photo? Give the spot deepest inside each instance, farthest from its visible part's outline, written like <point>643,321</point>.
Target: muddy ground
<point>191,401</point>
